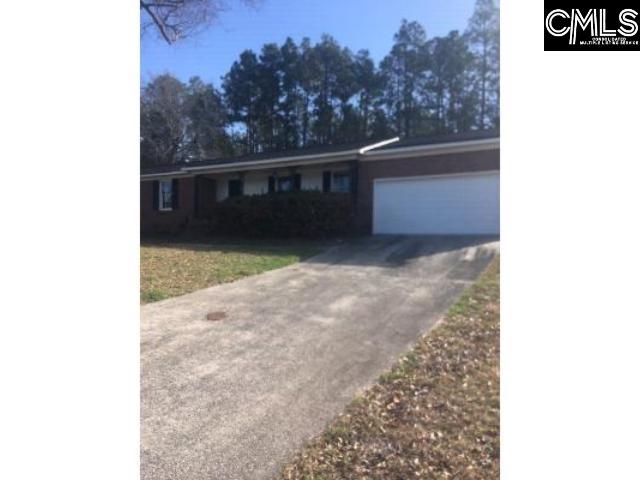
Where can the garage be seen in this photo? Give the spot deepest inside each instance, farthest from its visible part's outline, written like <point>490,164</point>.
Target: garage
<point>460,204</point>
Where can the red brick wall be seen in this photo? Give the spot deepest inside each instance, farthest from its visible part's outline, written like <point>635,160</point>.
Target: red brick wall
<point>206,196</point>
<point>430,165</point>
<point>172,221</point>
<point>156,221</point>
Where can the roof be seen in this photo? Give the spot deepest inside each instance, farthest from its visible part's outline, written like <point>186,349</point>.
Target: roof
<point>305,151</point>
<point>328,152</point>
<point>442,139</point>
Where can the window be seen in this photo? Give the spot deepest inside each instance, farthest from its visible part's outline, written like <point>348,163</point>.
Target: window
<point>285,184</point>
<point>341,182</point>
<point>235,188</point>
<point>166,194</point>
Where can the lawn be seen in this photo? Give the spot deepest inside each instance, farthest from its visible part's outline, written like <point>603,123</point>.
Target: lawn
<point>171,269</point>
<point>435,414</point>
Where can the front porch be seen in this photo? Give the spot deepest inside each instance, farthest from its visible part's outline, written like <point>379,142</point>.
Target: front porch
<point>172,202</point>
<point>210,188</point>
<point>174,196</point>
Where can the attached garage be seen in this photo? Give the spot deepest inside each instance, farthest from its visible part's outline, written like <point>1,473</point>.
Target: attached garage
<point>437,185</point>
<point>458,204</point>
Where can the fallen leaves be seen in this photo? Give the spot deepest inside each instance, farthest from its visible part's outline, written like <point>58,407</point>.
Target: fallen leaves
<point>168,270</point>
<point>434,415</point>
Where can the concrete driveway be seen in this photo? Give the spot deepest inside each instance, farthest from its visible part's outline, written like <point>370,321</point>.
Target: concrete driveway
<point>237,397</point>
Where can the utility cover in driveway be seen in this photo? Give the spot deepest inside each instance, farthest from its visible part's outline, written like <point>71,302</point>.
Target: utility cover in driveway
<point>466,204</point>
<point>236,399</point>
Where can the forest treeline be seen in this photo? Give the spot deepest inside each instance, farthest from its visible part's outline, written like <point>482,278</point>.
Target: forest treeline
<point>294,95</point>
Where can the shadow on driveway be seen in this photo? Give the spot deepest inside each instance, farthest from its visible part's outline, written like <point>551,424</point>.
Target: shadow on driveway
<point>236,398</point>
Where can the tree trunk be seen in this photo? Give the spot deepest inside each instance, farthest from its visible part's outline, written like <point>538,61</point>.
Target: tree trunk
<point>365,116</point>
<point>483,86</point>
<point>305,121</point>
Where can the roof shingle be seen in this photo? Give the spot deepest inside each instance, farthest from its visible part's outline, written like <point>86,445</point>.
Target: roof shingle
<point>324,149</point>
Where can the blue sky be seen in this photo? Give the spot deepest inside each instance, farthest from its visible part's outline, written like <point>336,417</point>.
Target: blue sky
<point>357,24</point>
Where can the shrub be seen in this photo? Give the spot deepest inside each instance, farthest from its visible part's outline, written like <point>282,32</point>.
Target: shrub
<point>308,214</point>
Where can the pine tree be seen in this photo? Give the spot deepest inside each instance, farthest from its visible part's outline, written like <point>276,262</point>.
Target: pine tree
<point>449,83</point>
<point>404,71</point>
<point>292,95</point>
<point>483,34</point>
<point>370,84</point>
<point>241,92</point>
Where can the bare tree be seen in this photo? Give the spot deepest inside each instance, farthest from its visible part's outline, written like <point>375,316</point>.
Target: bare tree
<point>177,19</point>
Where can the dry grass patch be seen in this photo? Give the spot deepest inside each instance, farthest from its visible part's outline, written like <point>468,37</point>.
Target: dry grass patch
<point>168,270</point>
<point>435,415</point>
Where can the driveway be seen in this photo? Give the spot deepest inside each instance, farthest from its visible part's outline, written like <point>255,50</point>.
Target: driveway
<point>236,397</point>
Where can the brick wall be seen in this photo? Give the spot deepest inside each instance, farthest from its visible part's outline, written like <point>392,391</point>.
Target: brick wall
<point>172,221</point>
<point>157,221</point>
<point>429,165</point>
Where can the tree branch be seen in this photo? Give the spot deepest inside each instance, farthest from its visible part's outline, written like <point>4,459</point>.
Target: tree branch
<point>159,23</point>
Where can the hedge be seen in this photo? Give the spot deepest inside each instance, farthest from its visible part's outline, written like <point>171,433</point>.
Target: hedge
<point>303,214</point>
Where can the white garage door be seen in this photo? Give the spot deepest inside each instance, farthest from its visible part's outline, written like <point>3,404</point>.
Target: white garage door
<point>438,205</point>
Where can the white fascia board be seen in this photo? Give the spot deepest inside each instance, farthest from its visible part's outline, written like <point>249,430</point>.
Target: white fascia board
<point>434,149</point>
<point>309,159</point>
<point>287,162</point>
<point>283,161</point>
<point>164,175</point>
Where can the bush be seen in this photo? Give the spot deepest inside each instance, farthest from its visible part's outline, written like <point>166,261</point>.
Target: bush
<point>304,214</point>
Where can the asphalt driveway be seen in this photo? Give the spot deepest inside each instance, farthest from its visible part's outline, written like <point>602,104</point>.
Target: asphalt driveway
<point>236,397</point>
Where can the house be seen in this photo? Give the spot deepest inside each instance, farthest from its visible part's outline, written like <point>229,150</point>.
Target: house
<point>446,184</point>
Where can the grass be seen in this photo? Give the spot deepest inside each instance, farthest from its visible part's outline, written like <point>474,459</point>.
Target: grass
<point>435,415</point>
<point>170,269</point>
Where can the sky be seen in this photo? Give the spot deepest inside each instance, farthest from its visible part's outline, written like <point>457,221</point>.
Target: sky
<point>357,24</point>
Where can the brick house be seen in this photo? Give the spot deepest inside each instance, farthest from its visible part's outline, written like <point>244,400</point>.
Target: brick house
<point>447,184</point>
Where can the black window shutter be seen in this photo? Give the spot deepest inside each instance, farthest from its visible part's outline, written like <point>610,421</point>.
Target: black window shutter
<point>297,182</point>
<point>175,194</point>
<point>272,184</point>
<point>353,177</point>
<point>156,194</point>
<point>235,188</point>
<point>326,181</point>
<point>196,196</point>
